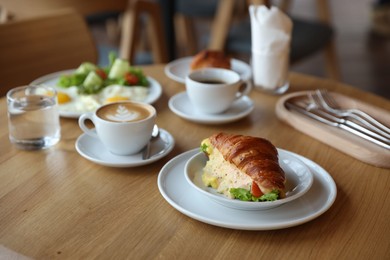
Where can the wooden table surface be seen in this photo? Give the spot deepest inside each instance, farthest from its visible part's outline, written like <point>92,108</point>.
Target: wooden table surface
<point>56,204</point>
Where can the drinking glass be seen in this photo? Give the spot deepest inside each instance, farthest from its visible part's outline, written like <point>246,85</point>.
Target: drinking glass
<point>33,118</point>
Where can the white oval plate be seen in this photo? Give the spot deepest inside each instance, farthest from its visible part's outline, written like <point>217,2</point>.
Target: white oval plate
<point>298,181</point>
<point>92,149</point>
<point>179,194</point>
<point>180,105</point>
<point>155,91</point>
<point>180,68</point>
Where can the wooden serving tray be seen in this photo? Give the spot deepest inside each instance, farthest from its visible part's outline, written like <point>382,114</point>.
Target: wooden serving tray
<point>337,138</point>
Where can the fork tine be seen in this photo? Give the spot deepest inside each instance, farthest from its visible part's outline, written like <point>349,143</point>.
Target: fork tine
<point>321,102</point>
<point>329,100</point>
<point>326,101</point>
<point>312,102</point>
<point>317,102</point>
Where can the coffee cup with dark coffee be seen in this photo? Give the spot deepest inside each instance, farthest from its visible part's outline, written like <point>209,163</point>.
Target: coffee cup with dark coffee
<point>213,90</point>
<point>124,128</point>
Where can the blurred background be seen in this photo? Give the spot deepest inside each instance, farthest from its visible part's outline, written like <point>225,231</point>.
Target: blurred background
<point>363,55</point>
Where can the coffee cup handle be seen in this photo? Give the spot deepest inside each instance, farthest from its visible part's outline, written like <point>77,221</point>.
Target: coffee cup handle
<point>87,130</point>
<point>245,90</point>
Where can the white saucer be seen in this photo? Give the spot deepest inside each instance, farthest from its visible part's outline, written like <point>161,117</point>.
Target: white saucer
<point>92,149</point>
<point>179,69</point>
<point>181,106</point>
<point>155,91</point>
<point>180,195</point>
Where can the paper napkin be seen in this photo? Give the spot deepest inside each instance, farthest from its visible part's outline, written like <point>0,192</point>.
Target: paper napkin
<point>271,36</point>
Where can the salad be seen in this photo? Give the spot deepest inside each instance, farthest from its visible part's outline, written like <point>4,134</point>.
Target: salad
<point>91,79</point>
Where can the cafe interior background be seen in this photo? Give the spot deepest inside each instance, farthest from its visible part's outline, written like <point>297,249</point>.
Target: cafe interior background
<point>363,54</point>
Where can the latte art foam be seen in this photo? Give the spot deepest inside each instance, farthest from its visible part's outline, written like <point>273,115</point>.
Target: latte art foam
<point>123,115</point>
<point>125,112</point>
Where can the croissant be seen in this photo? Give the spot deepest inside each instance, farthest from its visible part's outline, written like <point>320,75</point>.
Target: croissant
<point>243,162</point>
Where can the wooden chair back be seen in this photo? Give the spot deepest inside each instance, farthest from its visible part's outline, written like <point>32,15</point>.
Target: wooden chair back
<point>34,47</point>
<point>126,28</point>
<point>39,7</point>
<point>130,30</point>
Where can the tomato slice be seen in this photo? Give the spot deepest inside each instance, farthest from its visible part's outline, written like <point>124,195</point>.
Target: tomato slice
<point>255,190</point>
<point>131,78</point>
<point>101,74</point>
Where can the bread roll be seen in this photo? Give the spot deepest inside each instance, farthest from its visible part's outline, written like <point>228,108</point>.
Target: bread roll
<point>210,59</point>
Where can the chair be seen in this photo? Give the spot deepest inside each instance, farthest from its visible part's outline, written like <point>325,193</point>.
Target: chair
<point>5,16</point>
<point>33,47</point>
<point>123,19</point>
<point>131,30</point>
<point>184,15</point>
<point>308,37</point>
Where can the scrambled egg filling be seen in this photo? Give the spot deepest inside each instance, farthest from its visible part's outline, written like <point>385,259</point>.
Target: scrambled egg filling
<point>221,174</point>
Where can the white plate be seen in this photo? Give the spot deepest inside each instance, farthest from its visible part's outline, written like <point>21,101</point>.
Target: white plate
<point>155,91</point>
<point>180,105</point>
<point>298,176</point>
<point>92,149</point>
<point>179,69</point>
<point>180,195</point>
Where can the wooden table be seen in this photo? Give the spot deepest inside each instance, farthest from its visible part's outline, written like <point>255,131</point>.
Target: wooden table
<point>56,204</point>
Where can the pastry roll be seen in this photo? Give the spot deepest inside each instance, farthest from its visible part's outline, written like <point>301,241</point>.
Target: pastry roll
<point>210,59</point>
<point>243,167</point>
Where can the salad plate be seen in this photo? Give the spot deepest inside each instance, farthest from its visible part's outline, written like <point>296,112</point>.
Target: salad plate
<point>180,195</point>
<point>180,105</point>
<point>298,181</point>
<point>93,150</point>
<point>88,103</point>
<point>180,68</point>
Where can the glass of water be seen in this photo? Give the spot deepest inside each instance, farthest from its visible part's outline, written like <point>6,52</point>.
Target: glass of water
<point>33,118</point>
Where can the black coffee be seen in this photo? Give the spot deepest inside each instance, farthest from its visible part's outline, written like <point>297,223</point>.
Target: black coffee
<point>211,81</point>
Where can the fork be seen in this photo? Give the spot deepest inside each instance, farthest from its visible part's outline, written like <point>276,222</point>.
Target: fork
<point>327,118</point>
<point>328,103</point>
<point>315,105</point>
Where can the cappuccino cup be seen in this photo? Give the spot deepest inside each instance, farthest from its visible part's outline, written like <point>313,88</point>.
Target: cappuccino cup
<point>213,90</point>
<point>124,128</point>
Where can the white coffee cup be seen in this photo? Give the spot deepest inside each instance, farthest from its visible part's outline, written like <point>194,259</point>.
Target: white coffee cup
<point>124,128</point>
<point>213,90</point>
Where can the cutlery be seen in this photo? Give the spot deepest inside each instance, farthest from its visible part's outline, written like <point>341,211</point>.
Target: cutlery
<point>315,104</point>
<point>341,123</point>
<point>146,150</point>
<point>329,104</point>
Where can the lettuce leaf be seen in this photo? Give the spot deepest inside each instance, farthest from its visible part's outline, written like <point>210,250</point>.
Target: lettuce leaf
<point>78,78</point>
<point>246,195</point>
<point>241,194</point>
<point>203,148</point>
<point>66,81</point>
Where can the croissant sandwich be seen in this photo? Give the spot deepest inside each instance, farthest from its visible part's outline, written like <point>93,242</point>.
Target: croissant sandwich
<point>243,167</point>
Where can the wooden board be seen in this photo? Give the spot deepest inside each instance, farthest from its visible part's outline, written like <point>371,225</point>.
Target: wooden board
<point>339,139</point>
